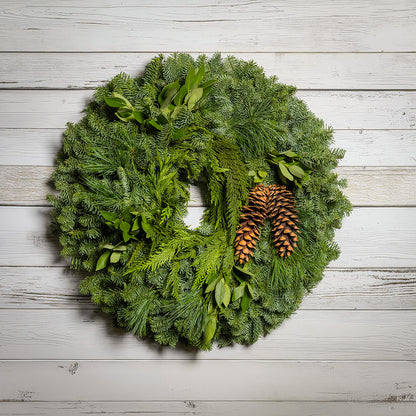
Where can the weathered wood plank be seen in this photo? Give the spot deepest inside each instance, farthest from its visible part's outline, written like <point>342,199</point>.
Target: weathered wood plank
<point>200,25</point>
<point>363,110</point>
<point>40,287</point>
<point>331,335</point>
<point>369,186</point>
<point>367,238</point>
<point>305,70</point>
<point>28,185</point>
<point>341,109</point>
<point>364,289</point>
<point>38,147</point>
<point>370,237</point>
<point>207,380</point>
<point>395,405</point>
<point>57,287</point>
<point>377,147</point>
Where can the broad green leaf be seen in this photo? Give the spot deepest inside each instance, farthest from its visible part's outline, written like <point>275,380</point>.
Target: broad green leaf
<point>138,116</point>
<point>117,95</point>
<point>250,289</point>
<point>109,246</point>
<point>117,100</point>
<point>120,248</point>
<point>199,75</point>
<point>227,296</point>
<point>190,79</point>
<point>238,292</point>
<point>220,292</point>
<point>169,93</point>
<point>210,328</point>
<point>193,97</point>
<point>155,124</point>
<point>212,285</point>
<point>251,173</point>
<point>262,173</point>
<point>245,302</point>
<point>297,171</point>
<point>174,87</point>
<point>103,260</point>
<point>109,216</point>
<point>135,225</point>
<point>114,102</point>
<point>290,153</point>
<point>125,226</point>
<point>161,96</point>
<point>285,172</point>
<point>126,236</point>
<point>180,95</point>
<point>282,178</point>
<point>115,257</point>
<point>165,91</point>
<point>124,114</point>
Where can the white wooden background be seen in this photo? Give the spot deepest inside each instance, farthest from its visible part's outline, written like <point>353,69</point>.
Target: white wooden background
<point>351,348</point>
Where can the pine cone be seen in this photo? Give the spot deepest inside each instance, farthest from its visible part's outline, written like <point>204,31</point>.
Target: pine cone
<point>274,202</point>
<point>252,218</point>
<point>284,218</point>
<point>258,202</point>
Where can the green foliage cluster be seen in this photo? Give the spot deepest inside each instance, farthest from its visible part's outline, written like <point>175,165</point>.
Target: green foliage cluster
<point>123,178</point>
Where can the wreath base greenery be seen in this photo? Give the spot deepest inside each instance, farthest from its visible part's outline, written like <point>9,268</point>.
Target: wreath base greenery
<point>123,178</point>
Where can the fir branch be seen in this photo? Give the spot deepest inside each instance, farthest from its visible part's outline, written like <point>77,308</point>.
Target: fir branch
<point>209,260</point>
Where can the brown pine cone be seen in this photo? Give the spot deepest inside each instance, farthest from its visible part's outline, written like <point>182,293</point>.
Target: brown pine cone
<point>277,203</point>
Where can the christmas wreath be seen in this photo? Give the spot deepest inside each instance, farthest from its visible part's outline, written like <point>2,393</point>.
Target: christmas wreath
<point>264,164</point>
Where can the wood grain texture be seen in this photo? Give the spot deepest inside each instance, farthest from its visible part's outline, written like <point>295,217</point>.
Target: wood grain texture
<point>78,334</point>
<point>352,71</point>
<point>366,239</point>
<point>57,287</point>
<point>397,148</point>
<point>394,405</point>
<point>28,185</point>
<point>381,186</point>
<point>350,348</point>
<point>377,147</point>
<point>295,26</point>
<point>341,109</point>
<point>204,380</point>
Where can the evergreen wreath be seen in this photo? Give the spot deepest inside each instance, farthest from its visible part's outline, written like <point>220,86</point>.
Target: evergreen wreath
<point>265,163</point>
